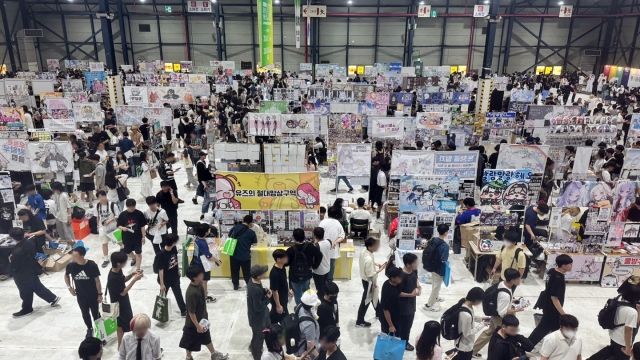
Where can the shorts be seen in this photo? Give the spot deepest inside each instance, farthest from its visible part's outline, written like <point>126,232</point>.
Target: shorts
<point>87,186</point>
<point>192,340</point>
<point>132,246</point>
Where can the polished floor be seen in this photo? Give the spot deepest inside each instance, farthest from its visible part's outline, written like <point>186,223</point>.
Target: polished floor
<point>54,333</point>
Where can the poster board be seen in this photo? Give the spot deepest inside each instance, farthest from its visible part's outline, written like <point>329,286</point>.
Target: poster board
<point>261,124</point>
<point>171,94</point>
<point>462,164</point>
<point>433,120</point>
<point>298,123</point>
<point>136,95</point>
<point>428,194</point>
<point>162,115</point>
<point>386,127</point>
<point>505,187</point>
<point>55,156</point>
<point>412,162</point>
<point>87,112</point>
<point>13,155</point>
<point>129,115</point>
<point>532,157</point>
<point>354,160</point>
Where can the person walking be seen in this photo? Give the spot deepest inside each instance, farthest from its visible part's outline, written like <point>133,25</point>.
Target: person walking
<point>279,286</point>
<point>25,270</point>
<point>201,248</point>
<point>369,277</point>
<point>107,213</point>
<point>157,220</point>
<point>189,156</point>
<point>166,264</point>
<point>204,177</point>
<point>141,343</point>
<point>510,256</point>
<point>410,289</point>
<point>303,257</point>
<point>118,290</point>
<point>258,299</point>
<point>322,271</point>
<point>35,229</point>
<point>241,257</point>
<point>434,258</point>
<point>507,343</point>
<point>86,286</point>
<point>562,344</point>
<point>168,200</point>
<point>466,319</point>
<point>132,223</point>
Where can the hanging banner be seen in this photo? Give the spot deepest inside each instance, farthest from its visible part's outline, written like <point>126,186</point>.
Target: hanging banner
<point>354,160</point>
<point>11,119</point>
<point>96,66</point>
<point>532,157</point>
<point>171,95</point>
<point>86,112</point>
<point>428,194</point>
<point>264,124</point>
<point>129,115</point>
<point>13,155</point>
<point>57,103</point>
<point>505,187</point>
<point>72,85</point>
<point>65,125</point>
<point>199,89</point>
<point>412,162</point>
<point>297,20</point>
<point>136,95</point>
<point>461,164</point>
<point>387,127</point>
<point>96,81</point>
<point>433,120</point>
<point>298,123</point>
<point>53,65</point>
<point>197,79</point>
<point>162,115</point>
<point>273,107</point>
<point>257,191</point>
<point>265,27</point>
<point>55,156</point>
<point>80,97</point>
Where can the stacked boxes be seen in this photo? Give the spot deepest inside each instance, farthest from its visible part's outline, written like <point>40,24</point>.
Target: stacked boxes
<point>284,158</point>
<point>230,155</point>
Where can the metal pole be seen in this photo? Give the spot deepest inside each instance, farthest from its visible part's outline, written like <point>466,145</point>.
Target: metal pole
<point>223,32</point>
<point>185,17</point>
<point>155,9</point>
<point>444,34</point>
<point>635,38</point>
<point>608,37</point>
<point>546,10</point>
<point>218,34</point>
<point>490,39</point>
<point>7,35</point>
<point>507,47</point>
<point>123,33</point>
<point>281,38</point>
<point>566,51</point>
<point>375,48</point>
<point>253,34</point>
<point>133,54</point>
<point>107,37</point>
<point>348,41</point>
<point>93,31</point>
<point>412,26</point>
<point>64,32</point>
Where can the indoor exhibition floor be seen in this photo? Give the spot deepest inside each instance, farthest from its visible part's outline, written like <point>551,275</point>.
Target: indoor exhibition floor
<point>55,333</point>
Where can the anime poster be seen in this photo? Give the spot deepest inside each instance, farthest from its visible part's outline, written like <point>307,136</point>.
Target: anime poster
<point>199,89</point>
<point>386,127</point>
<point>16,87</point>
<point>617,269</point>
<point>55,156</point>
<point>53,65</point>
<point>47,95</point>
<point>498,219</point>
<point>378,98</point>
<point>428,193</point>
<point>265,124</point>
<point>147,67</point>
<point>287,94</point>
<point>462,164</point>
<point>586,267</point>
<point>206,70</point>
<point>46,76</point>
<point>345,122</point>
<point>298,123</point>
<point>624,197</point>
<point>532,157</point>
<point>578,193</point>
<point>631,166</point>
<point>96,81</point>
<point>59,114</point>
<point>76,64</point>
<point>407,230</point>
<point>318,108</point>
<point>11,119</point>
<point>72,85</point>
<point>273,107</point>
<point>634,127</point>
<point>129,115</point>
<point>163,115</point>
<point>172,95</point>
<point>258,191</point>
<point>354,160</point>
<point>461,98</point>
<point>57,103</point>
<point>96,66</point>
<point>136,95</point>
<point>80,97</point>
<point>186,65</point>
<point>87,112</point>
<point>13,155</point>
<point>505,187</point>
<point>179,78</point>
<point>433,120</point>
<point>523,96</point>
<point>412,162</point>
<point>319,95</point>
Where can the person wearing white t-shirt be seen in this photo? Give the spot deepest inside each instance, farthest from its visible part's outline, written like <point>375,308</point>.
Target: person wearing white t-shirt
<point>360,213</point>
<point>104,155</point>
<point>562,344</point>
<point>381,181</point>
<point>334,232</point>
<point>157,219</point>
<point>107,213</point>
<point>466,324</point>
<point>320,274</point>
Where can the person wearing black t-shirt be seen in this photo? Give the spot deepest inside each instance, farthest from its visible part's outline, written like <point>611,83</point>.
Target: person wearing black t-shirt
<point>328,308</point>
<point>34,228</point>
<point>204,176</point>
<point>119,291</point>
<point>86,286</point>
<point>132,223</point>
<point>410,289</point>
<point>145,129</point>
<point>389,307</point>
<point>166,263</point>
<point>329,344</point>
<point>168,200</point>
<point>279,286</point>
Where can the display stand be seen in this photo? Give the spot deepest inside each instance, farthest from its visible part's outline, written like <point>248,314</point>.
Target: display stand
<point>618,267</point>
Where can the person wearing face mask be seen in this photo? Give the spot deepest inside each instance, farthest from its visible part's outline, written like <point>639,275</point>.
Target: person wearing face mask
<point>510,256</point>
<point>309,328</point>
<point>562,344</point>
<point>507,343</point>
<point>466,319</point>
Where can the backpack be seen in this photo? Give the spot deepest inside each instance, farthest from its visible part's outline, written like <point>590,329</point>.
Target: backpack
<point>299,271</point>
<point>113,211</point>
<point>162,171</point>
<point>431,256</point>
<point>291,324</point>
<point>607,315</point>
<point>490,302</point>
<point>516,256</point>
<point>449,321</point>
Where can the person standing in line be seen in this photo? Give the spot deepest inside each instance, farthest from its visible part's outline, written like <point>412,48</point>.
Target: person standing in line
<point>119,291</point>
<point>194,335</point>
<point>464,344</point>
<point>204,176</point>
<point>328,312</point>
<point>90,349</point>
<point>320,274</point>
<point>389,309</point>
<point>169,159</point>
<point>334,232</point>
<point>329,349</point>
<point>309,328</point>
<point>201,247</point>
<point>410,290</point>
<point>562,344</point>
<point>157,221</point>
<point>303,258</point>
<point>25,270</point>
<point>141,343</point>
<point>553,300</point>
<point>241,257</point>
<point>279,287</point>
<point>168,200</point>
<point>86,169</point>
<point>441,248</point>
<point>86,286</point>
<point>132,223</point>
<point>166,263</point>
<point>63,212</point>
<point>258,299</point>
<point>107,218</point>
<point>369,277</point>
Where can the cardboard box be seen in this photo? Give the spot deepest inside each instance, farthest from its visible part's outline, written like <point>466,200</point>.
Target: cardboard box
<point>469,232</point>
<point>57,265</point>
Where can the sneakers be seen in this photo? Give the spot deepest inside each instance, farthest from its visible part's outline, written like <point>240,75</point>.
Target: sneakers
<point>56,301</point>
<point>210,299</point>
<point>183,314</point>
<point>332,190</point>
<point>195,201</point>
<point>350,191</point>
<point>363,324</point>
<point>409,347</point>
<point>431,308</point>
<point>440,299</point>
<point>180,201</point>
<point>22,313</point>
<point>217,355</point>
<point>379,221</point>
<point>133,262</point>
<point>89,334</point>
<point>476,356</point>
<point>105,263</point>
<point>202,217</point>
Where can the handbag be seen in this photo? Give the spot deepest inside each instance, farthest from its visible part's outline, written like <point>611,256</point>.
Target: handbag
<point>161,308</point>
<point>122,195</point>
<point>110,310</point>
<point>153,174</point>
<point>389,347</point>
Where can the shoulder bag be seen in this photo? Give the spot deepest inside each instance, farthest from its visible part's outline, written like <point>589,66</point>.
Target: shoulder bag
<point>110,310</point>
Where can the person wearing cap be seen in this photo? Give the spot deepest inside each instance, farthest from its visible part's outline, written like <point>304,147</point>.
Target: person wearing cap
<point>204,176</point>
<point>309,329</point>
<point>258,299</point>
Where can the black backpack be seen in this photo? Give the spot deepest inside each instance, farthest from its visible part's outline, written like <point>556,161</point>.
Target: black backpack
<point>515,261</point>
<point>607,316</point>
<point>449,321</point>
<point>113,210</point>
<point>291,324</point>
<point>490,302</point>
<point>162,171</point>
<point>299,270</point>
<point>431,256</point>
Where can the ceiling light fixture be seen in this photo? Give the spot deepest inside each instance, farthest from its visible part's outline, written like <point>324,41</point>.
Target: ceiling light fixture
<point>421,2</point>
<point>349,2</point>
<point>561,3</point>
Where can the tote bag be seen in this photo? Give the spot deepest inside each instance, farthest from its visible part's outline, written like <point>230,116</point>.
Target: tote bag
<point>389,347</point>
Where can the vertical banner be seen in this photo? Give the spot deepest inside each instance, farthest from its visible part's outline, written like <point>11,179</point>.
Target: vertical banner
<point>297,17</point>
<point>265,27</point>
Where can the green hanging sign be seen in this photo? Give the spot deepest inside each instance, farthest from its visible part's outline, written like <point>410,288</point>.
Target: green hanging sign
<point>265,31</point>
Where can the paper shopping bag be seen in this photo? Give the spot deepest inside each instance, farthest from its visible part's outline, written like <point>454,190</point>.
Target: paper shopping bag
<point>206,264</point>
<point>161,308</point>
<point>105,328</point>
<point>115,236</point>
<point>447,273</point>
<point>157,238</point>
<point>389,347</point>
<point>230,246</point>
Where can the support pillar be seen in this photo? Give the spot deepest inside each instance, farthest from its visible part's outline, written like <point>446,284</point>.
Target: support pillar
<point>507,47</point>
<point>123,33</point>
<point>107,37</point>
<point>490,40</point>
<point>412,26</point>
<point>218,32</point>
<point>7,34</point>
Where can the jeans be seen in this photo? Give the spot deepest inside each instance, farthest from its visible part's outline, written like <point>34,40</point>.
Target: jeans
<point>191,180</point>
<point>436,283</point>
<point>611,352</point>
<point>132,167</point>
<point>298,289</point>
<point>89,304</point>
<point>31,286</point>
<point>206,202</point>
<point>235,265</point>
<point>485,336</point>
<point>319,281</point>
<point>332,269</point>
<point>548,324</point>
<point>346,181</point>
<point>362,310</point>
<point>177,293</point>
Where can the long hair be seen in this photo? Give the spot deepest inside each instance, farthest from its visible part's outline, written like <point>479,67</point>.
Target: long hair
<point>271,338</point>
<point>429,338</point>
<point>573,186</point>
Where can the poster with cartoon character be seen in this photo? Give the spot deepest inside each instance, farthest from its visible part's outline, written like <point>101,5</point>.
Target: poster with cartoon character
<point>136,95</point>
<point>428,193</point>
<point>624,197</point>
<point>586,267</point>
<point>80,97</point>
<point>129,115</point>
<point>433,120</point>
<point>55,156</point>
<point>11,119</point>
<point>532,157</point>
<point>617,269</point>
<point>354,160</point>
<point>387,127</point>
<point>96,81</point>
<point>298,123</point>
<point>412,162</point>
<point>505,187</point>
<point>258,191</point>
<point>53,65</point>
<point>170,94</point>
<point>164,116</point>
<point>15,87</point>
<point>86,112</point>
<point>265,124</point>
